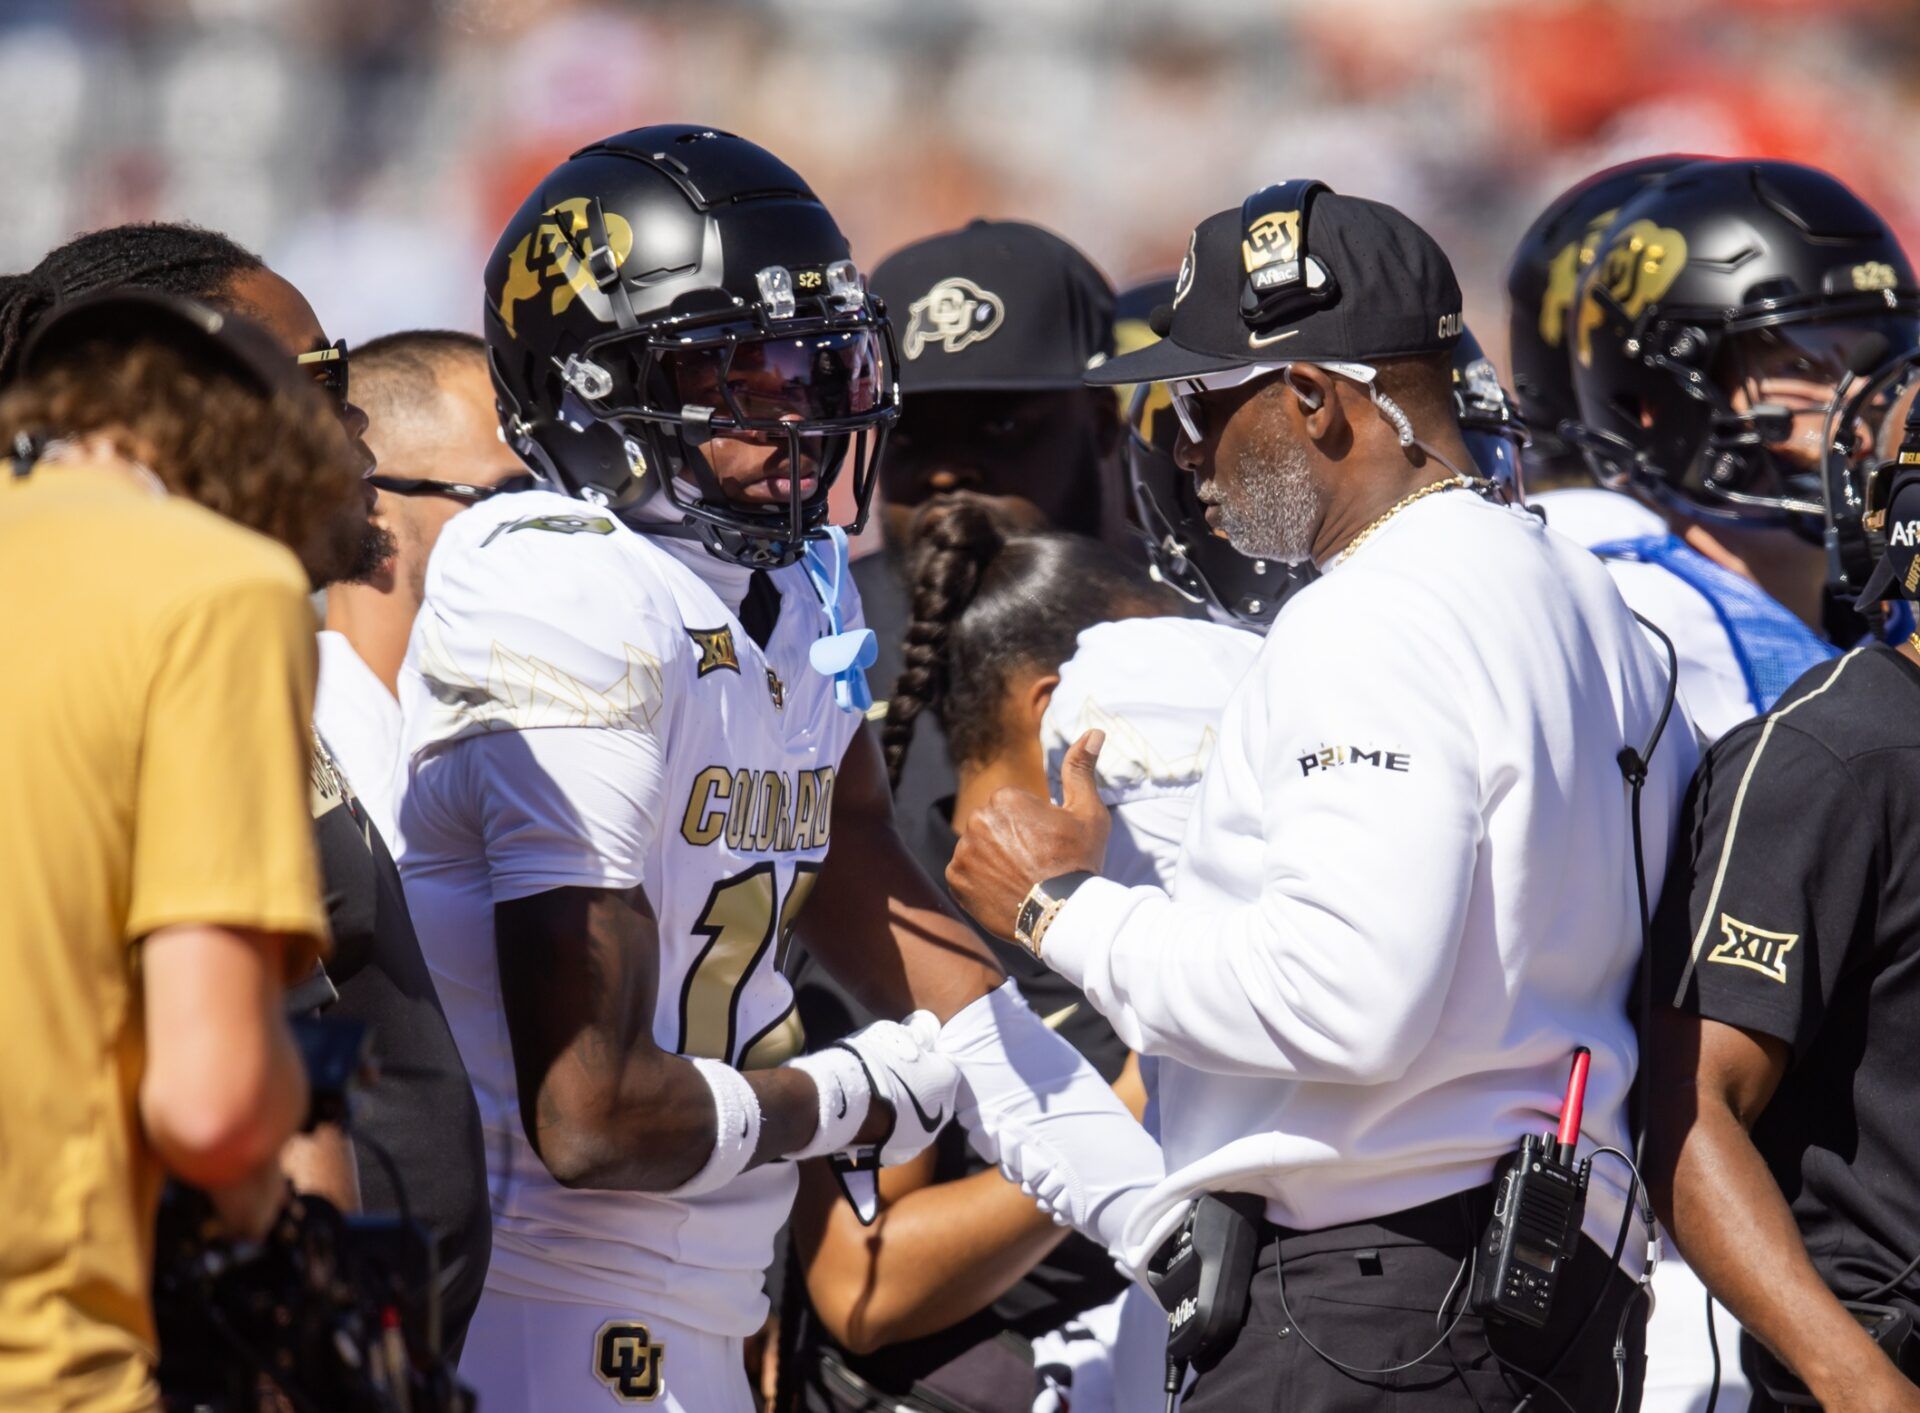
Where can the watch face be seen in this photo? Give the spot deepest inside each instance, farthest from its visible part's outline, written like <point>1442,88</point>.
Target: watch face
<point>1029,915</point>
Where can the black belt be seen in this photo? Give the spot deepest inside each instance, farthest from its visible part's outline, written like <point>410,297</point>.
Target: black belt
<point>1457,1220</point>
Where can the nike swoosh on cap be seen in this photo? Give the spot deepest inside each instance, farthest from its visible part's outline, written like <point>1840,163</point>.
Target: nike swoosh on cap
<point>1059,1017</point>
<point>1262,340</point>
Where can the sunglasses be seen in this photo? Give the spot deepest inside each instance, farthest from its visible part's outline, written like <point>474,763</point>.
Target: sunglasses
<point>456,490</point>
<point>328,367</point>
<point>1186,394</point>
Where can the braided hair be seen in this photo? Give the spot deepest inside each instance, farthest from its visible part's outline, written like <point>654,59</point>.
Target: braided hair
<point>989,599</point>
<point>167,259</point>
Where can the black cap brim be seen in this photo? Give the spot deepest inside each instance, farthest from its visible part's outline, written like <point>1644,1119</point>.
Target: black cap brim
<point>1162,362</point>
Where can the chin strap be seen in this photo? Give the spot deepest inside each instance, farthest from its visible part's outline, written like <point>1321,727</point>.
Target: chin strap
<point>842,654</point>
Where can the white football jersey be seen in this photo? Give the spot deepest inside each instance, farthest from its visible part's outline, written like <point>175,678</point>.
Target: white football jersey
<point>582,708</point>
<point>359,720</point>
<point>1156,687</point>
<point>1712,686</point>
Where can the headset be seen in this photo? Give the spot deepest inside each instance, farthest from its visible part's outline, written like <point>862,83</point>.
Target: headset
<point>1283,282</point>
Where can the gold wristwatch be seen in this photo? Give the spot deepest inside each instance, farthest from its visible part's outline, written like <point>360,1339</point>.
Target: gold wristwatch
<point>1042,906</point>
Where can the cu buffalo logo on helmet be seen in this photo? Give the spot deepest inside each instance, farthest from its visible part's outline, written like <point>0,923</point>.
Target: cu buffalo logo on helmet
<point>554,256</point>
<point>1636,271</point>
<point>955,314</point>
<point>1563,278</point>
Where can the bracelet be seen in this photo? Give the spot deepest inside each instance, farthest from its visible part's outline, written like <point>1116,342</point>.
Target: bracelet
<point>736,1123</point>
<point>845,1097</point>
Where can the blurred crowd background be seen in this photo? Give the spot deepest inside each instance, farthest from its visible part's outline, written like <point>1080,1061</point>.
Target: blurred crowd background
<point>371,148</point>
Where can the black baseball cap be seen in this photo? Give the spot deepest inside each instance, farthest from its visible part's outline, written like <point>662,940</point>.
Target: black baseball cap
<point>1897,575</point>
<point>997,306</point>
<point>127,316</point>
<point>1367,284</point>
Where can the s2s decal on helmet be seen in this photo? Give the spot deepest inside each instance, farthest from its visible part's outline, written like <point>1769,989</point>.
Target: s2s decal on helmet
<point>956,313</point>
<point>555,256</point>
<point>1637,269</point>
<point>1873,275</point>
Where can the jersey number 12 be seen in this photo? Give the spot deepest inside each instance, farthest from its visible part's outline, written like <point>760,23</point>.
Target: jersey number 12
<point>744,919</point>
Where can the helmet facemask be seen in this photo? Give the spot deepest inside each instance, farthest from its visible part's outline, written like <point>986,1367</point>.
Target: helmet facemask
<point>1743,419</point>
<point>1183,552</point>
<point>1491,427</point>
<point>1867,431</point>
<point>690,394</point>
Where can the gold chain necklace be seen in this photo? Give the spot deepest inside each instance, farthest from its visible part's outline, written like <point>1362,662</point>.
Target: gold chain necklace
<point>1450,483</point>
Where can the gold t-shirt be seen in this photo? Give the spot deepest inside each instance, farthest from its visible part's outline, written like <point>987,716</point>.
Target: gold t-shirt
<point>156,685</point>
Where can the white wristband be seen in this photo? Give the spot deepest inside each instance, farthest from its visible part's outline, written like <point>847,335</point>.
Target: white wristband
<point>845,1097</point>
<point>736,1125</point>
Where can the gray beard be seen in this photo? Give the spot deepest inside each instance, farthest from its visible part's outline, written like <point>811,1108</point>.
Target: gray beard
<point>1275,508</point>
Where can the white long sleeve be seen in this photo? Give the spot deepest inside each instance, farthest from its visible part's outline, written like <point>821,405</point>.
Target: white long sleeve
<point>1031,1103</point>
<point>1406,890</point>
<point>1325,974</point>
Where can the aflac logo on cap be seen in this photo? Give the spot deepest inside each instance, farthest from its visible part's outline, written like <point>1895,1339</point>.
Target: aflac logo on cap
<point>956,314</point>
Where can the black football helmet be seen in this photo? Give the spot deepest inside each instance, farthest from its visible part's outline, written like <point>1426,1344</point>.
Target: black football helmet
<point>670,286</point>
<point>1183,551</point>
<point>1541,284</point>
<point>1737,342</point>
<point>1490,424</point>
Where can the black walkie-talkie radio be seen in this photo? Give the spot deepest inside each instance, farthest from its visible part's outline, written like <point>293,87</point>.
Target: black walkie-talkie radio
<point>1537,1209</point>
<point>1201,1273</point>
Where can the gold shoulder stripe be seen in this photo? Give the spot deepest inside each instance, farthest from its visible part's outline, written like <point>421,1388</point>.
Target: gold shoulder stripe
<point>1712,910</point>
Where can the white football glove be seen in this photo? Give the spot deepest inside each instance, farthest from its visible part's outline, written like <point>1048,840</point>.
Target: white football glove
<point>904,1070</point>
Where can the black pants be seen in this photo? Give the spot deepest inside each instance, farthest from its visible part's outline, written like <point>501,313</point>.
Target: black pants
<point>1368,1294</point>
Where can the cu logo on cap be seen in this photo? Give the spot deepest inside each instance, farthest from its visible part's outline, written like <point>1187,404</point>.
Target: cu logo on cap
<point>956,314</point>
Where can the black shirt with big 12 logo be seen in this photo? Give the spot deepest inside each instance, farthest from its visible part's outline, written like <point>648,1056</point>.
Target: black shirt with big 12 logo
<point>1792,909</point>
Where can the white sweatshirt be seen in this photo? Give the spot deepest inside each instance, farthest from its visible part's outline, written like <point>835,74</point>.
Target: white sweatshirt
<point>1406,892</point>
